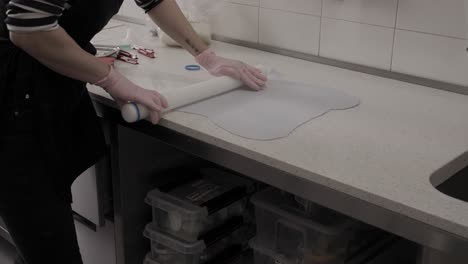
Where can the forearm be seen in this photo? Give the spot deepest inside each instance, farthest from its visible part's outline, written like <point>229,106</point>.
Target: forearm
<point>60,53</point>
<point>171,20</point>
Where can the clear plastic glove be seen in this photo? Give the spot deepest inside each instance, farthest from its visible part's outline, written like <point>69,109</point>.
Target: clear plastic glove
<point>124,91</point>
<point>219,66</point>
<point>107,60</point>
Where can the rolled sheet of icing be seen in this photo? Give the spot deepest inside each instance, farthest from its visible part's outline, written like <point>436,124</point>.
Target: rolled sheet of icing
<point>183,96</point>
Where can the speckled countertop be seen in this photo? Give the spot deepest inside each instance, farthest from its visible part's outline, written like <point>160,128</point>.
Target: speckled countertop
<point>385,151</point>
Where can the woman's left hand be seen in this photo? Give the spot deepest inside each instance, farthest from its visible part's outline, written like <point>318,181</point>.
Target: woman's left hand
<point>219,66</point>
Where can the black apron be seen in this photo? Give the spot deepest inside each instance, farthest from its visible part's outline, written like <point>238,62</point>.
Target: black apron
<point>59,109</point>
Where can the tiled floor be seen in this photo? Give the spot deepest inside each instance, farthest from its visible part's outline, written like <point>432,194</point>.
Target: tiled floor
<point>96,247</point>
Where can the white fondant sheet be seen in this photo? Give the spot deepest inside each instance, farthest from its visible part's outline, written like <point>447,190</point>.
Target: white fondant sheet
<point>272,113</point>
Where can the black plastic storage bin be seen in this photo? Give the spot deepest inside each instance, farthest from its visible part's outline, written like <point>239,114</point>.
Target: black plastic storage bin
<point>297,238</point>
<point>227,241</point>
<point>192,207</point>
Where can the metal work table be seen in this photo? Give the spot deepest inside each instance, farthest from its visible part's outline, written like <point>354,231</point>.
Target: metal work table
<point>378,163</point>
<point>142,149</point>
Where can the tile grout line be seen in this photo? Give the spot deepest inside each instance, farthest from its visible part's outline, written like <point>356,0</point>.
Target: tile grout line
<point>356,22</point>
<point>258,23</point>
<point>397,28</point>
<point>244,4</point>
<point>394,36</point>
<point>320,30</point>
<point>432,34</point>
<point>289,11</point>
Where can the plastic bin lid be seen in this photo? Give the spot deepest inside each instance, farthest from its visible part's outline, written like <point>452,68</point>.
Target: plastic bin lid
<point>168,202</point>
<point>268,252</point>
<point>199,197</point>
<point>149,260</point>
<point>156,235</point>
<point>271,200</point>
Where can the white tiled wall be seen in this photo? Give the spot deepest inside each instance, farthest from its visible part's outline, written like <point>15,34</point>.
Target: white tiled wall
<point>236,21</point>
<point>357,43</point>
<point>441,17</point>
<point>310,7</point>
<point>246,2</point>
<point>373,12</point>
<point>289,30</point>
<point>426,38</point>
<point>431,56</point>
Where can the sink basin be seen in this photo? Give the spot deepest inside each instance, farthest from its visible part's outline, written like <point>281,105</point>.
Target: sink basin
<point>456,186</point>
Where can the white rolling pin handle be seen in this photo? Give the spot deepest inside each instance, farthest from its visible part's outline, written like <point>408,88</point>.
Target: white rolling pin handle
<point>133,112</point>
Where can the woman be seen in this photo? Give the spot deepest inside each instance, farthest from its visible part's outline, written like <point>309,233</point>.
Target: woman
<point>49,131</point>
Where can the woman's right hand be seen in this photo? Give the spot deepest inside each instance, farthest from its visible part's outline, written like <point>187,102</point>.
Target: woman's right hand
<point>73,62</point>
<point>124,91</point>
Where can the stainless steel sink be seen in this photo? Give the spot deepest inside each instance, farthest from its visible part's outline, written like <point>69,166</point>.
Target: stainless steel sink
<point>456,186</point>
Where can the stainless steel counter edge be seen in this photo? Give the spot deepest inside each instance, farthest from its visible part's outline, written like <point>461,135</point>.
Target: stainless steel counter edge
<point>365,211</point>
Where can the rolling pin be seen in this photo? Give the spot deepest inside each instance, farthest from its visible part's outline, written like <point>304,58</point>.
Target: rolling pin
<point>179,97</point>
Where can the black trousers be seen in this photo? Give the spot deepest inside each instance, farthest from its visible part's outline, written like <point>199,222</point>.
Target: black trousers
<point>38,219</point>
<point>49,134</point>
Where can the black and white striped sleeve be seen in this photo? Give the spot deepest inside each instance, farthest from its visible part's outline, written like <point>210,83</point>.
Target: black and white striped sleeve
<point>147,5</point>
<point>34,15</point>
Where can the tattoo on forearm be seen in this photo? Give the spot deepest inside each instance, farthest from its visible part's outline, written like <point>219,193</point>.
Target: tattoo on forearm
<point>197,51</point>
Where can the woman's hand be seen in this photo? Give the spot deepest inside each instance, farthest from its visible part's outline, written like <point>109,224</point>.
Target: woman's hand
<point>171,20</point>
<point>219,66</point>
<point>124,91</point>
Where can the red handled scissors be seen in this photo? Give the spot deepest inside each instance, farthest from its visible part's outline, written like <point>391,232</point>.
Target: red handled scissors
<point>144,51</point>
